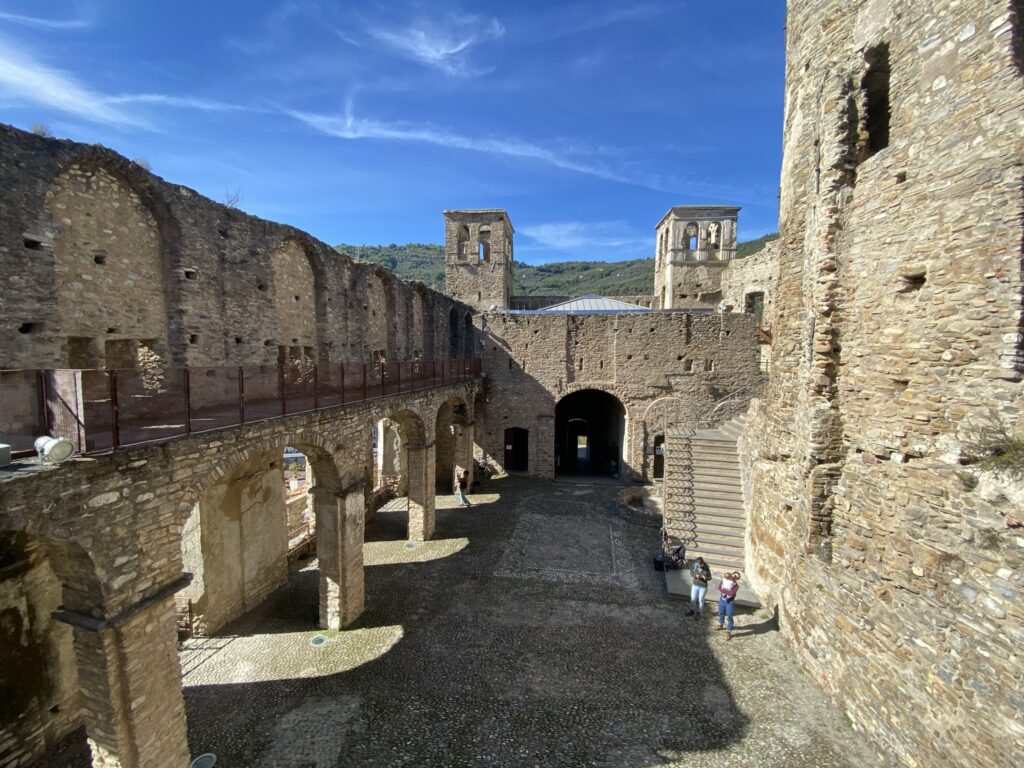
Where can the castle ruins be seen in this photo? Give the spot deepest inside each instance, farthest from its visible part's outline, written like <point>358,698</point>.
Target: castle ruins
<point>827,415</point>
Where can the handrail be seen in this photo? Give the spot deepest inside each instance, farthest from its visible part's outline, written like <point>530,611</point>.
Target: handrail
<point>103,410</point>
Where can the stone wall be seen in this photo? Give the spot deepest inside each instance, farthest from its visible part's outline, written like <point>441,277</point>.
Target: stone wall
<point>133,261</point>
<point>40,702</point>
<point>893,555</point>
<point>705,363</point>
<point>478,257</point>
<point>757,273</point>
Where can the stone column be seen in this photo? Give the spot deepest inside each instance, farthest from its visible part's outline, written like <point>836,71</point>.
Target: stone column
<point>420,463</point>
<point>339,550</point>
<point>464,450</point>
<point>130,680</point>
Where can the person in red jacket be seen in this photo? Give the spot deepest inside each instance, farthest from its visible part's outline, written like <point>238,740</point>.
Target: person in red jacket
<point>727,589</point>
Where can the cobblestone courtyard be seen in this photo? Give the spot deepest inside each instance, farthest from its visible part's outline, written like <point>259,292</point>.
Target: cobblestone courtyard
<point>530,631</point>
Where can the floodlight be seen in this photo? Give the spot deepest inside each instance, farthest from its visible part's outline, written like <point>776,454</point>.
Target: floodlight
<point>54,449</point>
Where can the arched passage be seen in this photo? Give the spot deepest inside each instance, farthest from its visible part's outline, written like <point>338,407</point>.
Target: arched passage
<point>453,445</point>
<point>590,430</point>
<point>417,458</point>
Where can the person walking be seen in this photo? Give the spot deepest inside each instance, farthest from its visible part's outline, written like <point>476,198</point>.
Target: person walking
<point>727,589</point>
<point>701,575</point>
<point>462,483</point>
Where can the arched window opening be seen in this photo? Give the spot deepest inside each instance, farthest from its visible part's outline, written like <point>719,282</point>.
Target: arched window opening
<point>463,242</point>
<point>484,250</point>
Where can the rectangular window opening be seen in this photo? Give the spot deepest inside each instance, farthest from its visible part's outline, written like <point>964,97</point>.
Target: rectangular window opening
<point>875,86</point>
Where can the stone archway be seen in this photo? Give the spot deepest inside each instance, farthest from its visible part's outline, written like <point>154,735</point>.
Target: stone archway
<point>590,434</point>
<point>453,444</point>
<point>418,460</point>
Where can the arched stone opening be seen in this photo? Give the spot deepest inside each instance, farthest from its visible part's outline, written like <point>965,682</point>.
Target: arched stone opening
<point>74,653</point>
<point>453,445</point>
<point>590,434</point>
<point>417,457</point>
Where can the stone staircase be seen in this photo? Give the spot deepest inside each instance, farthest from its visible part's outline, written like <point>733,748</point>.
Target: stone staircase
<point>704,502</point>
<point>718,497</point>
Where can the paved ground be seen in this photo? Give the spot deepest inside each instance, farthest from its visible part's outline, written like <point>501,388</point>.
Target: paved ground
<point>531,632</point>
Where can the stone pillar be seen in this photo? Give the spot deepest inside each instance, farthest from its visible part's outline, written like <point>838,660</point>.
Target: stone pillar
<point>339,550</point>
<point>391,472</point>
<point>130,680</point>
<point>464,450</point>
<point>420,465</point>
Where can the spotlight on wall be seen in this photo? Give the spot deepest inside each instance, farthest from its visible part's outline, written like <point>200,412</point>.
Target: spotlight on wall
<point>55,450</point>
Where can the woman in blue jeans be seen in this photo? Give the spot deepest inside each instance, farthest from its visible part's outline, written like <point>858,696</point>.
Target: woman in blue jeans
<point>701,576</point>
<point>727,589</point>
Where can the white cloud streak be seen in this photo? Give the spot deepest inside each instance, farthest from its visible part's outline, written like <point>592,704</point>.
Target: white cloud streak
<point>352,128</point>
<point>40,23</point>
<point>182,102</point>
<point>578,235</point>
<point>445,48</point>
<point>25,81</point>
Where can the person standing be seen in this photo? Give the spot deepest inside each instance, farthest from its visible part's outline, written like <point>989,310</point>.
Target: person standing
<point>462,484</point>
<point>701,574</point>
<point>727,589</point>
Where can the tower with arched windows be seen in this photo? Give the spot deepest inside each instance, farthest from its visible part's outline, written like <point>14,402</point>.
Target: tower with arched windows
<point>478,257</point>
<point>694,245</point>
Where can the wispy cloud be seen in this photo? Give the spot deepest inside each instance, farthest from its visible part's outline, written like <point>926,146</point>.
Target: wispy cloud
<point>85,22</point>
<point>24,80</point>
<point>445,46</point>
<point>579,235</point>
<point>182,102</point>
<point>352,128</point>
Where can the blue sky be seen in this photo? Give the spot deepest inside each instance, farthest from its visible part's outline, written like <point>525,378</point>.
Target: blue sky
<point>361,122</point>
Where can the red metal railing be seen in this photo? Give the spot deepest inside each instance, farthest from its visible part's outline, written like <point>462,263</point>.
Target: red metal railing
<point>103,410</point>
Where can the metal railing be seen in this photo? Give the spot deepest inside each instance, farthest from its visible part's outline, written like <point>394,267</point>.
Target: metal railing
<point>102,410</point>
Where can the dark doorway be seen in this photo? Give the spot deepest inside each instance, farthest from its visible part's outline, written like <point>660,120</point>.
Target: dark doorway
<point>517,449</point>
<point>589,429</point>
<point>659,457</point>
<point>753,304</point>
<point>469,350</point>
<point>453,333</point>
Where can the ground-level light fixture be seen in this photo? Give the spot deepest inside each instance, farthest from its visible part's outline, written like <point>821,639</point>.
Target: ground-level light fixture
<point>54,450</point>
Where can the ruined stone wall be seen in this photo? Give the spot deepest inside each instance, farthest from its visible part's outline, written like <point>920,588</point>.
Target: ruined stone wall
<point>706,362</point>
<point>757,273</point>
<point>889,551</point>
<point>126,257</point>
<point>40,702</point>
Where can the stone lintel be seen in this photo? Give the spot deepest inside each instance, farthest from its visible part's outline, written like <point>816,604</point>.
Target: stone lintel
<point>92,624</point>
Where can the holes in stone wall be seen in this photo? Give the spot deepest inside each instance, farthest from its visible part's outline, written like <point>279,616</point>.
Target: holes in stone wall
<point>1017,32</point>
<point>261,287</point>
<point>912,281</point>
<point>875,86</point>
<point>191,274</point>
<point>30,327</point>
<point>901,177</point>
<point>688,366</point>
<point>193,338</point>
<point>32,243</point>
<point>238,339</point>
<point>709,365</point>
<point>99,258</point>
<point>269,343</point>
<point>113,330</point>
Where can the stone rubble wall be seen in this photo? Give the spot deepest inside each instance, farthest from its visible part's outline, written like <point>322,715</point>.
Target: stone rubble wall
<point>893,558</point>
<point>757,273</point>
<point>653,363</point>
<point>125,256</point>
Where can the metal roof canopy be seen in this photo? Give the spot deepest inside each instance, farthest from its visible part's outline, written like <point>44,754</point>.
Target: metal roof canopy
<point>591,304</point>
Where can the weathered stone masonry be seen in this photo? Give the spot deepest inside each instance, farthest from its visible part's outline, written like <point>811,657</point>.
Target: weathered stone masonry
<point>897,345</point>
<point>141,267</point>
<point>146,274</point>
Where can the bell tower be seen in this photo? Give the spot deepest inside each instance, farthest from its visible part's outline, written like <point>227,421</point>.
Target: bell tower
<point>478,257</point>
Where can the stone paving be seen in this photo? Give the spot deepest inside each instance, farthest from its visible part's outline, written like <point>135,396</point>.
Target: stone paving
<point>531,631</point>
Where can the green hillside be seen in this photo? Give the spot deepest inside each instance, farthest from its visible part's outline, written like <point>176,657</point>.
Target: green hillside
<point>425,262</point>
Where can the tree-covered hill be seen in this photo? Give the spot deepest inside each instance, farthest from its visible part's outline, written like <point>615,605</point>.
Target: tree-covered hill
<point>425,262</point>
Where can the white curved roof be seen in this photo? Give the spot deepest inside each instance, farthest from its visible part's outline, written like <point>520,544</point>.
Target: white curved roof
<point>591,304</point>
